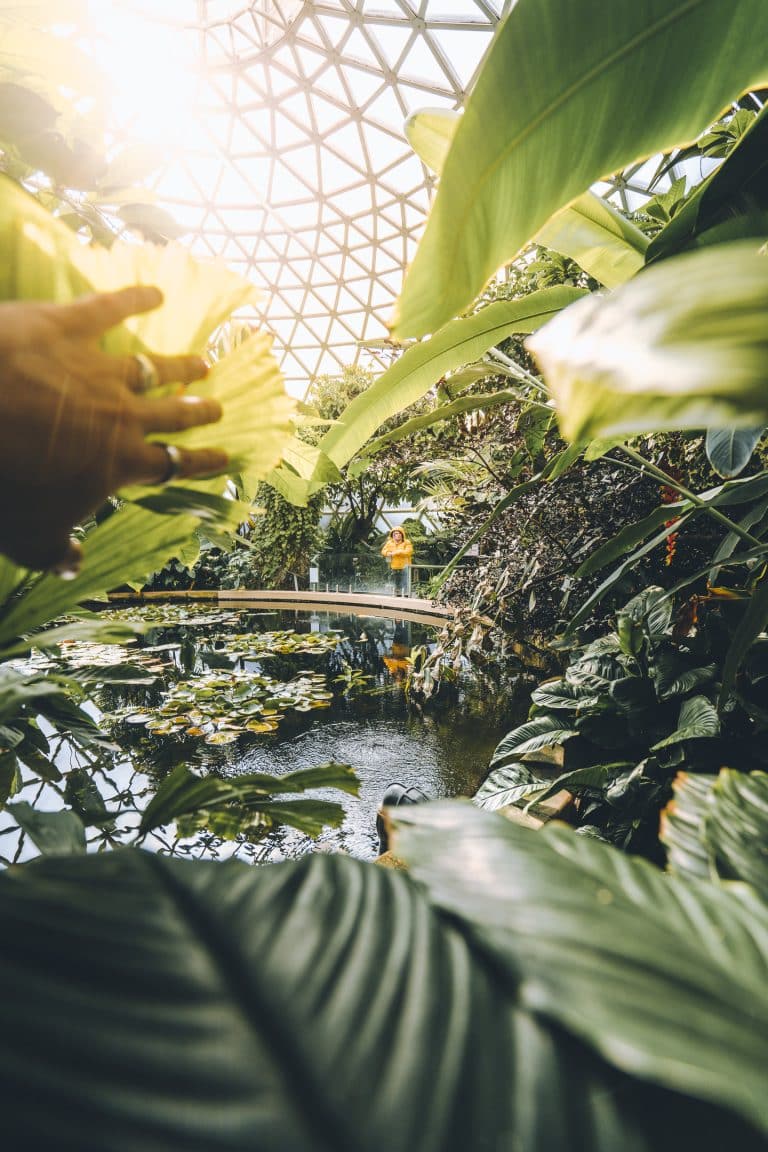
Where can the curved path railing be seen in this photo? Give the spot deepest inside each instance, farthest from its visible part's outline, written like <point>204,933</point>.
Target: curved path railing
<point>357,603</point>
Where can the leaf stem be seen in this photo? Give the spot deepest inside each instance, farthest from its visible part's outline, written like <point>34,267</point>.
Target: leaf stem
<point>702,505</point>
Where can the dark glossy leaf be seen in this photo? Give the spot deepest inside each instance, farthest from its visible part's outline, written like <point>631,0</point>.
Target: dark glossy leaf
<point>752,623</point>
<point>697,720</point>
<point>10,780</point>
<point>633,693</point>
<point>37,761</point>
<point>736,827</point>
<point>65,714</point>
<point>54,833</point>
<point>319,1006</point>
<point>183,792</point>
<point>729,450</point>
<point>83,796</point>
<point>687,681</point>
<point>664,977</point>
<point>563,694</point>
<point>19,691</point>
<point>681,827</point>
<point>537,733</point>
<point>506,785</point>
<point>583,781</point>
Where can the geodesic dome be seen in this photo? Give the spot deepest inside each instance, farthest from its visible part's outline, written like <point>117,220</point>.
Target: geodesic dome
<point>288,157</point>
<point>281,129</point>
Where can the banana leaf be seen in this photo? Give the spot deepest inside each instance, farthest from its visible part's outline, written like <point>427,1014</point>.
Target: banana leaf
<point>561,101</point>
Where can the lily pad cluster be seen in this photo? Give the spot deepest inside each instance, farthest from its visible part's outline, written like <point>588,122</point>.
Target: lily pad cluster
<point>219,706</point>
<point>161,615</point>
<point>245,645</point>
<point>78,657</point>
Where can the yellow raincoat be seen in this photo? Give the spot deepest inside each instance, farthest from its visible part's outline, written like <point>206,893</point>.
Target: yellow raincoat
<point>399,552</point>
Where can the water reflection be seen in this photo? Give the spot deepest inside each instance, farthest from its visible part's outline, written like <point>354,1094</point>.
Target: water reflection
<point>443,751</point>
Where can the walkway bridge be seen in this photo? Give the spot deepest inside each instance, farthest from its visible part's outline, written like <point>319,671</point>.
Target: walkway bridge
<point>354,603</point>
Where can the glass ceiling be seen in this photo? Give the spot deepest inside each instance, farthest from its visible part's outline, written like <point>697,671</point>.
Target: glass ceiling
<point>281,128</point>
<point>279,125</point>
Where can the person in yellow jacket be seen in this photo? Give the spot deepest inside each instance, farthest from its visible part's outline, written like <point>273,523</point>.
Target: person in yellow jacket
<point>398,551</point>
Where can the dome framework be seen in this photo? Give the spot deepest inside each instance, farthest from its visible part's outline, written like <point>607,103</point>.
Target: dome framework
<point>289,159</point>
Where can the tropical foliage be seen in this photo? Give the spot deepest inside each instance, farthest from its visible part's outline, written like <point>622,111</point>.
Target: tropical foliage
<point>326,1003</point>
<point>619,1003</point>
<point>637,705</point>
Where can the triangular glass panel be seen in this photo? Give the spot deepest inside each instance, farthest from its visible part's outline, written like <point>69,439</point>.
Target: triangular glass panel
<point>383,8</point>
<point>458,10</point>
<point>464,50</point>
<point>336,174</point>
<point>362,84</point>
<point>328,115</point>
<point>346,142</point>
<point>385,147</point>
<point>391,40</point>
<point>326,294</point>
<point>421,64</point>
<point>279,82</point>
<point>312,60</point>
<point>386,110</point>
<point>355,201</point>
<point>335,27</point>
<point>358,47</point>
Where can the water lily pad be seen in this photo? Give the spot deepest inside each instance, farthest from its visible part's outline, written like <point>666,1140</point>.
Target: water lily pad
<point>221,738</point>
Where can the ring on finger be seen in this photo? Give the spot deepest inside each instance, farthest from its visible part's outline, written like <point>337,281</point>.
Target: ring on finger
<point>149,377</point>
<point>173,470</point>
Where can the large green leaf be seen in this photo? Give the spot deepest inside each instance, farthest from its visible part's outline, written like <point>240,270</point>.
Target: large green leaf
<point>461,342</point>
<point>54,833</point>
<point>605,244</point>
<point>476,401</point>
<point>563,695</point>
<point>697,720</point>
<point>681,826</point>
<point>529,737</point>
<point>319,1006</point>
<point>681,346</point>
<point>736,825</point>
<point>753,622</point>
<point>729,449</point>
<point>550,115</point>
<point>717,827</point>
<point>183,792</point>
<point>505,786</point>
<point>665,978</point>
<point>602,241</point>
<point>127,546</point>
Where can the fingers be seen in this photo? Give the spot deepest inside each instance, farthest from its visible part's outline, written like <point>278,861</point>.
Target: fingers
<point>157,465</point>
<point>177,413</point>
<point>168,370</point>
<point>40,550</point>
<point>93,314</point>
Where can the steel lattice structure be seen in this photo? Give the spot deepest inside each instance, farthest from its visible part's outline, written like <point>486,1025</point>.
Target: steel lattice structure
<point>289,159</point>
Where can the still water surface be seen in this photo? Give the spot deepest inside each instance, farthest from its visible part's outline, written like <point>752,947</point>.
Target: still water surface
<point>442,750</point>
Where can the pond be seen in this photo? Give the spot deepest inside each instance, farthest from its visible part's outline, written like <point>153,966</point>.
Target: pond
<point>354,710</point>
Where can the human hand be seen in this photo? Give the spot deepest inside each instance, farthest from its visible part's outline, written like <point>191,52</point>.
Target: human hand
<point>74,422</point>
